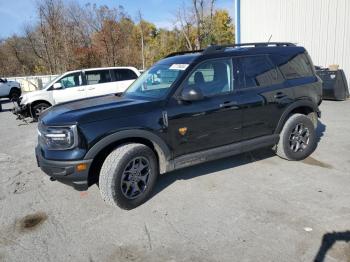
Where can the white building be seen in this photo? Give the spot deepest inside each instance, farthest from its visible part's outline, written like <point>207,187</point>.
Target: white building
<point>321,26</point>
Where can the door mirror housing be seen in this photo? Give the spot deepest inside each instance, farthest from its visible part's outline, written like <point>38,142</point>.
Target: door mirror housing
<point>191,94</point>
<point>57,86</point>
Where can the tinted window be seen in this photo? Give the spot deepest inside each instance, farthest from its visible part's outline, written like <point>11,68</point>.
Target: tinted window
<point>212,77</point>
<point>124,74</point>
<point>259,72</point>
<point>98,77</point>
<point>294,67</point>
<point>71,80</point>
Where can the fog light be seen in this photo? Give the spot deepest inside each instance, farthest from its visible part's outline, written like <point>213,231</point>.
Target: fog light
<point>81,167</point>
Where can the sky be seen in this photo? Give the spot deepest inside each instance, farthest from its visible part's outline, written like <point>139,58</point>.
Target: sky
<point>14,14</point>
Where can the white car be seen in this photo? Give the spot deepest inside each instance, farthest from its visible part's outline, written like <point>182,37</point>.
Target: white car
<point>76,85</point>
<point>9,89</point>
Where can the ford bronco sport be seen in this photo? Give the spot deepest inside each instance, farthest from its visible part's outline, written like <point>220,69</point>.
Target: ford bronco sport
<point>188,108</point>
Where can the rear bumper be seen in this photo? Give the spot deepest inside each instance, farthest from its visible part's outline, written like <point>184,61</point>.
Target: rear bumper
<point>65,171</point>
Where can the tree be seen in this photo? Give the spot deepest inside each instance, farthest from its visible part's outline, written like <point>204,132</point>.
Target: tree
<point>68,36</point>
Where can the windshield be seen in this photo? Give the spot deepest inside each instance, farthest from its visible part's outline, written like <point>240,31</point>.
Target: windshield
<point>51,82</point>
<point>156,82</point>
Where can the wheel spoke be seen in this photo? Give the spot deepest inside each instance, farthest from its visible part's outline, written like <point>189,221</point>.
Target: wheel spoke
<point>128,184</point>
<point>144,177</point>
<point>134,189</point>
<point>135,177</point>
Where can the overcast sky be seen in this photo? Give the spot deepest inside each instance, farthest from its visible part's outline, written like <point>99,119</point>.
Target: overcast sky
<point>15,13</point>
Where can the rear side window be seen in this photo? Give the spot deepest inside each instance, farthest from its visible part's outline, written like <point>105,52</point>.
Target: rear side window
<point>124,74</point>
<point>98,77</point>
<point>259,71</point>
<point>294,67</point>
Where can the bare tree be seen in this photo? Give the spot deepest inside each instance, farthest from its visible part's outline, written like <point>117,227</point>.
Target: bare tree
<point>185,21</point>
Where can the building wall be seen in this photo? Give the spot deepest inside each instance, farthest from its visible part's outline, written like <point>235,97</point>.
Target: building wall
<point>321,26</point>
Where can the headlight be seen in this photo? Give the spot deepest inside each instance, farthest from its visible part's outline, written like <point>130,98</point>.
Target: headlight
<point>58,138</point>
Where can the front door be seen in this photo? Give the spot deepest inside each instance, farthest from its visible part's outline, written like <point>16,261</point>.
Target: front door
<point>72,88</point>
<point>211,122</point>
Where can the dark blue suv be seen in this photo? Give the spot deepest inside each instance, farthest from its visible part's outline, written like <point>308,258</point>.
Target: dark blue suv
<point>188,108</point>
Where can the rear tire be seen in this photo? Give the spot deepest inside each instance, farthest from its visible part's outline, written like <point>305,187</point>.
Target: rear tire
<point>14,94</point>
<point>128,176</point>
<point>38,109</point>
<point>298,138</point>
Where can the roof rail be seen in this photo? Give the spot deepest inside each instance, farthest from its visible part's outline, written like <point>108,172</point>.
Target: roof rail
<point>221,48</point>
<point>184,53</point>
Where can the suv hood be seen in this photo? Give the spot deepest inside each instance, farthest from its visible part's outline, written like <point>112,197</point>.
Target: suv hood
<point>94,109</point>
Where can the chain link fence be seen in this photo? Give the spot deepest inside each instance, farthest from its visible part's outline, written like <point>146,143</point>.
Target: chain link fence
<point>32,83</point>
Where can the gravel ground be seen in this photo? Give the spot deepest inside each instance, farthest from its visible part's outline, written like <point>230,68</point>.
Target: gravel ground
<point>252,207</point>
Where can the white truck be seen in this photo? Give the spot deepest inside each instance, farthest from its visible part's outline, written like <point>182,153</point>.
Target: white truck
<point>76,85</point>
<point>9,89</point>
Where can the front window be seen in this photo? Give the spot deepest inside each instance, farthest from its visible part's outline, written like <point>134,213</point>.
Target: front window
<point>157,81</point>
<point>212,77</point>
<point>71,80</point>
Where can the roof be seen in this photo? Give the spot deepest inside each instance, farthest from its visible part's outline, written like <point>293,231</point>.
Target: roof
<point>234,49</point>
<point>102,68</point>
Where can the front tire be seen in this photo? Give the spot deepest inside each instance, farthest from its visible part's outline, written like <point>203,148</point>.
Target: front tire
<point>38,109</point>
<point>128,176</point>
<point>298,138</point>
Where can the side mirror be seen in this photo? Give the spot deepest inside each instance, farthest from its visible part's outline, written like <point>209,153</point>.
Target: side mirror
<point>191,94</point>
<point>57,86</point>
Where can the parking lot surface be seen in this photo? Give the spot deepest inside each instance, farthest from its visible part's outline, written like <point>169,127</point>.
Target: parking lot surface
<point>251,207</point>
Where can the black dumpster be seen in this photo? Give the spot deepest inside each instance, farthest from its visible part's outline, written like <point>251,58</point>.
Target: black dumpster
<point>335,86</point>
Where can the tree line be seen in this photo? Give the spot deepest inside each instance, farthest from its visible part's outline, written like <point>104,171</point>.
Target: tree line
<point>68,36</point>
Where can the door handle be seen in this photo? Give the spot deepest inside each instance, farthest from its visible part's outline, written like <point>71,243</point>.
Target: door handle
<point>81,89</point>
<point>91,88</point>
<point>229,104</point>
<point>279,95</point>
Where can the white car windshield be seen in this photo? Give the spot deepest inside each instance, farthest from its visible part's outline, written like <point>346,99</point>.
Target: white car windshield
<point>156,81</point>
<point>51,82</point>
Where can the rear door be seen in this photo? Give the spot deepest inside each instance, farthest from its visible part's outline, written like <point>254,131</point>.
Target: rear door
<point>265,94</point>
<point>124,77</point>
<point>99,82</point>
<point>72,88</point>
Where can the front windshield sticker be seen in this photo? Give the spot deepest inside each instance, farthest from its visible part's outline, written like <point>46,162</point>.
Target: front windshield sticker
<point>179,66</point>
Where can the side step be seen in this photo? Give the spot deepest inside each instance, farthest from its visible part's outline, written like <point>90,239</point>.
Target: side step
<point>223,151</point>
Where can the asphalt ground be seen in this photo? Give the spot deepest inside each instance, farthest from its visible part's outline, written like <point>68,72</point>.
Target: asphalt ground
<point>251,207</point>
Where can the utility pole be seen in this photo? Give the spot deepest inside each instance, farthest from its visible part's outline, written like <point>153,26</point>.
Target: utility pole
<point>142,42</point>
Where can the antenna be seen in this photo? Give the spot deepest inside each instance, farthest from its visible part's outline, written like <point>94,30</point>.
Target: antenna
<point>269,38</point>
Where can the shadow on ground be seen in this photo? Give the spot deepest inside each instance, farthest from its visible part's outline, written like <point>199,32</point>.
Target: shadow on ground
<point>320,130</point>
<point>211,167</point>
<point>328,241</point>
<point>218,165</point>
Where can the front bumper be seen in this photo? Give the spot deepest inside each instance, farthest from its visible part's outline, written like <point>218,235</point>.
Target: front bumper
<point>65,171</point>
<point>22,111</point>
